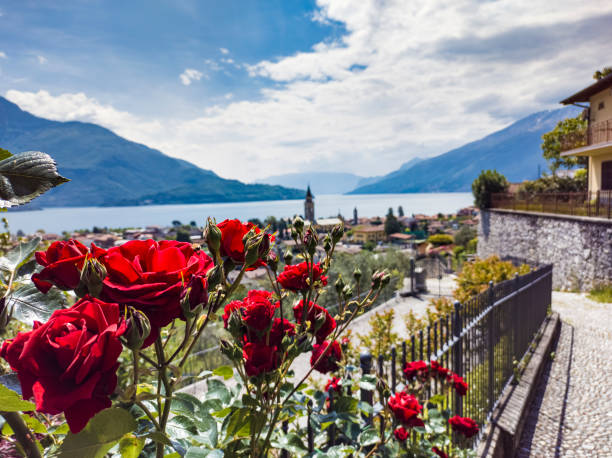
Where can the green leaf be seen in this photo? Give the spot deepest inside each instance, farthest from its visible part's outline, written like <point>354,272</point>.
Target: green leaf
<point>224,371</point>
<point>195,452</point>
<point>156,436</point>
<point>218,390</point>
<point>12,402</point>
<point>101,433</point>
<point>292,443</point>
<point>32,423</point>
<point>239,423</point>
<point>18,256</point>
<point>30,305</point>
<point>4,154</point>
<point>180,427</point>
<point>368,436</point>
<point>25,176</point>
<point>130,446</point>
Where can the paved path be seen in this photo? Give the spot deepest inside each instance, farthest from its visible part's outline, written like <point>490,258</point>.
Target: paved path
<point>571,415</point>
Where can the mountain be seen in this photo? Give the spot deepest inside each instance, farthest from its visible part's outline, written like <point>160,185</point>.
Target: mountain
<point>411,163</point>
<point>320,182</point>
<point>106,169</point>
<point>513,151</point>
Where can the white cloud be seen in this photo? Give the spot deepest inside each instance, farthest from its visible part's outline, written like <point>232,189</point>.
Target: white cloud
<point>42,59</point>
<point>2,55</point>
<point>190,75</point>
<point>224,50</point>
<point>407,79</point>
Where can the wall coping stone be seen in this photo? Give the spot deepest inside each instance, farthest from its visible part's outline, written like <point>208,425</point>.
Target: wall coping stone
<point>582,219</point>
<point>503,433</point>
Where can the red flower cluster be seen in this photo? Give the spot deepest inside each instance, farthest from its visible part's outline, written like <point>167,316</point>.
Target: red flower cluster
<point>69,363</point>
<point>332,355</point>
<point>406,408</point>
<point>422,370</point>
<point>464,425</point>
<point>439,452</point>
<point>151,276</point>
<point>401,434</point>
<point>296,277</point>
<point>334,384</point>
<point>232,244</point>
<point>62,264</point>
<point>322,324</point>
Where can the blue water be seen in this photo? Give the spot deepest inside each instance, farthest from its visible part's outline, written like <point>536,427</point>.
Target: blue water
<point>56,220</point>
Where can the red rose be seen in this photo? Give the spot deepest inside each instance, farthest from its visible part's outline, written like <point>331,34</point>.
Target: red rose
<point>150,276</point>
<point>414,369</point>
<point>401,434</point>
<point>464,425</point>
<point>62,264</point>
<point>259,358</point>
<point>334,384</point>
<point>197,288</point>
<point>322,323</point>
<point>278,331</point>
<point>258,311</point>
<point>406,408</point>
<point>69,364</point>
<point>458,384</point>
<point>439,452</point>
<point>232,245</point>
<point>437,370</point>
<point>295,277</point>
<point>231,307</point>
<point>332,354</point>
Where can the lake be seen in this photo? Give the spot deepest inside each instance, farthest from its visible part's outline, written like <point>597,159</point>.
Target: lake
<point>58,219</point>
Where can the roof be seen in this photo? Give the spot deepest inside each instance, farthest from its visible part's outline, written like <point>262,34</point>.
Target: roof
<point>585,94</point>
<point>401,236</point>
<point>328,221</point>
<point>379,228</point>
<point>308,193</point>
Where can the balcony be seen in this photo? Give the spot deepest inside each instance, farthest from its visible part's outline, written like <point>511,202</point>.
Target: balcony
<point>597,133</point>
<point>590,204</point>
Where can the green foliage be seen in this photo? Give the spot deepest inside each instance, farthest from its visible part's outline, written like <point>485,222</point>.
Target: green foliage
<point>10,401</point>
<point>464,235</point>
<point>182,236</point>
<point>381,338</point>
<point>601,293</point>
<point>392,225</point>
<point>556,184</point>
<point>475,276</point>
<point>568,133</point>
<point>440,239</point>
<point>599,74</point>
<point>487,183</point>
<point>472,246</point>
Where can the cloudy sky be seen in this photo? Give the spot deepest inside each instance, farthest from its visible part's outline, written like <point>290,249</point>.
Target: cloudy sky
<point>253,88</point>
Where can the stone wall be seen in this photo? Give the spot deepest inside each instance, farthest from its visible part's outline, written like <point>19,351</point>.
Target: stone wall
<point>579,247</point>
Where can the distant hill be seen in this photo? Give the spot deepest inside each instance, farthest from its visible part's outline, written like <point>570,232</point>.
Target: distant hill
<point>320,182</point>
<point>106,169</point>
<point>513,151</point>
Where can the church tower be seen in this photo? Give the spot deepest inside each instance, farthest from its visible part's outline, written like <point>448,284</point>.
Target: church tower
<point>309,206</point>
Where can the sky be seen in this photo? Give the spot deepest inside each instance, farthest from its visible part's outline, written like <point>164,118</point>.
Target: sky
<point>250,89</point>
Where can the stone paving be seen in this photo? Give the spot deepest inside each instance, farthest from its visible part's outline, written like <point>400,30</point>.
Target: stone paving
<point>571,415</point>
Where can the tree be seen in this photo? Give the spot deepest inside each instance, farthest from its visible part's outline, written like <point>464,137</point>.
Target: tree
<point>567,134</point>
<point>440,239</point>
<point>193,224</point>
<point>487,183</point>
<point>599,74</point>
<point>176,223</point>
<point>182,236</point>
<point>392,225</point>
<point>400,211</point>
<point>464,235</point>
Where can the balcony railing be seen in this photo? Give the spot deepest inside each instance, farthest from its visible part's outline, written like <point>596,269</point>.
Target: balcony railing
<point>592,204</point>
<point>598,132</point>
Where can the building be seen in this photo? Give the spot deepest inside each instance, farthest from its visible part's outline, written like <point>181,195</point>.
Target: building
<point>369,233</point>
<point>309,213</point>
<point>596,142</point>
<point>327,224</point>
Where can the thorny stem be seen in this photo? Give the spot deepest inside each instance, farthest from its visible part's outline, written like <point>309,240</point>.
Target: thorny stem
<point>23,434</point>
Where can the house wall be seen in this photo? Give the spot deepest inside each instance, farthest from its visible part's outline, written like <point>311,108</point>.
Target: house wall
<point>579,247</point>
<point>595,169</point>
<point>605,113</point>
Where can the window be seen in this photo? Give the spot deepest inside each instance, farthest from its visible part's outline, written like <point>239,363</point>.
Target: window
<point>601,106</point>
<point>606,175</point>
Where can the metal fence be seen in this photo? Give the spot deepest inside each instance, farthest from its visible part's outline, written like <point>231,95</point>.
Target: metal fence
<point>482,341</point>
<point>594,204</point>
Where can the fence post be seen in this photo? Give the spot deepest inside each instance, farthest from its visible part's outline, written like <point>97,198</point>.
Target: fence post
<point>284,453</point>
<point>365,361</point>
<point>393,368</point>
<point>309,431</point>
<point>458,354</point>
<point>331,431</point>
<point>491,345</point>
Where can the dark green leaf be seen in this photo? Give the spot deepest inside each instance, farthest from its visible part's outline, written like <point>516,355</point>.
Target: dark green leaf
<point>217,389</point>
<point>15,258</point>
<point>10,401</point>
<point>195,452</point>
<point>30,305</point>
<point>25,176</point>
<point>181,427</point>
<point>158,437</point>
<point>292,443</point>
<point>368,436</point>
<point>101,433</point>
<point>208,429</point>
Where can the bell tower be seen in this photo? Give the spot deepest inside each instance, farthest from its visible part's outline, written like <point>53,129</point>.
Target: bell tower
<point>309,213</point>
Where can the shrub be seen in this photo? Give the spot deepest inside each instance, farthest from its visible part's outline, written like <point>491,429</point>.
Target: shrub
<point>487,183</point>
<point>440,239</point>
<point>464,235</point>
<point>380,338</point>
<point>601,293</point>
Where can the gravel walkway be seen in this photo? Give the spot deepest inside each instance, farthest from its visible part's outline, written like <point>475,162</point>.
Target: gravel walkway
<point>571,415</point>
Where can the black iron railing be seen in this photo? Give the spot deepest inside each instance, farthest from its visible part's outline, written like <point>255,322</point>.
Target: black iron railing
<point>593,204</point>
<point>483,341</point>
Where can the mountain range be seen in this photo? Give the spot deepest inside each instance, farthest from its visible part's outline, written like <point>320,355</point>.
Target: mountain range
<point>514,151</point>
<point>106,169</point>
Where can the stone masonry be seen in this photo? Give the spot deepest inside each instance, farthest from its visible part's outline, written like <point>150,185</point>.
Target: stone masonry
<point>579,247</point>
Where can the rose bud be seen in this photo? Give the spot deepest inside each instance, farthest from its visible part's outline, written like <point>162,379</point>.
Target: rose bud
<point>5,314</point>
<point>357,274</point>
<point>264,248</point>
<point>337,233</point>
<point>214,276</point>
<point>347,292</point>
<point>251,248</point>
<point>339,285</point>
<point>92,277</point>
<point>377,279</point>
<point>138,328</point>
<point>288,257</point>
<point>212,235</point>
<point>327,244</point>
<point>298,224</point>
<point>310,241</point>
<point>194,295</point>
<point>272,261</point>
<point>385,279</point>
